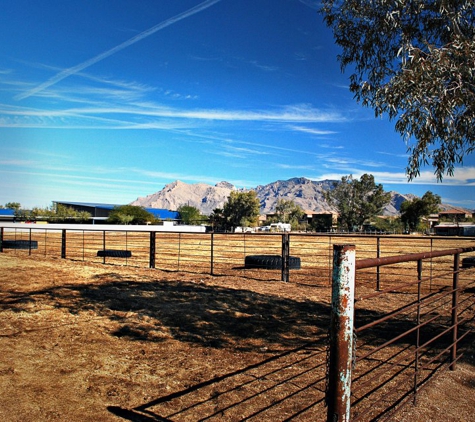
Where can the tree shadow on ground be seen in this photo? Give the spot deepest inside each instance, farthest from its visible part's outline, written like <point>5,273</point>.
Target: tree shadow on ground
<point>209,316</point>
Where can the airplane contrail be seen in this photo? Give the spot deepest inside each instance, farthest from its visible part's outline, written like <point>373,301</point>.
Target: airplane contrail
<point>72,70</point>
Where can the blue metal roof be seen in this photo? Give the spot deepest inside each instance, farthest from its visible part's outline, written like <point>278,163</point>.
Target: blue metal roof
<point>163,214</point>
<point>7,212</point>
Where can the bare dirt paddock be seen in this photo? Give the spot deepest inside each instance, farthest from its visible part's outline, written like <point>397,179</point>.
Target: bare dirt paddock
<point>91,342</point>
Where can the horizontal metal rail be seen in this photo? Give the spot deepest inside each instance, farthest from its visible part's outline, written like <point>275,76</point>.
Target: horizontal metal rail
<point>379,262</point>
<point>428,325</point>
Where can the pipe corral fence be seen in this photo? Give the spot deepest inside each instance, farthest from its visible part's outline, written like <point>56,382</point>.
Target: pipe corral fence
<point>402,307</point>
<point>218,254</point>
<point>387,344</point>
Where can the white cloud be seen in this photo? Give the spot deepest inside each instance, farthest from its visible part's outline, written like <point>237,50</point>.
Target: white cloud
<point>312,131</point>
<point>464,176</point>
<point>94,115</point>
<point>295,167</point>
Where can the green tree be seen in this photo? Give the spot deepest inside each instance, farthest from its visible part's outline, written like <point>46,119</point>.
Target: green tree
<point>217,219</point>
<point>413,211</point>
<point>389,224</point>
<point>241,209</point>
<point>414,61</point>
<point>62,213</point>
<point>130,214</point>
<point>357,200</point>
<point>13,206</point>
<point>322,222</point>
<point>59,213</point>
<point>288,212</point>
<point>190,214</point>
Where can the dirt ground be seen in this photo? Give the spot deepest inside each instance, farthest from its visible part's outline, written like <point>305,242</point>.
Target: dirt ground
<point>91,342</point>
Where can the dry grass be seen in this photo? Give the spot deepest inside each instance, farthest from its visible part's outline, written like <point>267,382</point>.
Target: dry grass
<point>82,341</point>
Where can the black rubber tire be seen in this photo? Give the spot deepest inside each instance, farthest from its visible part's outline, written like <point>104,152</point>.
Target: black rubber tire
<point>270,262</point>
<point>20,244</point>
<point>115,253</point>
<point>468,262</point>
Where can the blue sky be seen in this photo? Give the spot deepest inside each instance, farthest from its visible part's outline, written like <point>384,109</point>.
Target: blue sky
<point>106,101</point>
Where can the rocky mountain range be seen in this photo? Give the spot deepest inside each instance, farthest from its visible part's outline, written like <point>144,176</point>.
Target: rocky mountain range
<point>308,194</point>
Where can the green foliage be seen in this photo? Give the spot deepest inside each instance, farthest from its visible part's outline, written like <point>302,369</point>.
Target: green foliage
<point>389,225</point>
<point>54,214</point>
<point>13,206</point>
<point>190,215</point>
<point>130,214</point>
<point>217,219</point>
<point>24,215</point>
<point>62,213</point>
<point>322,222</point>
<point>414,61</point>
<point>241,209</point>
<point>289,212</point>
<point>413,211</point>
<point>357,200</point>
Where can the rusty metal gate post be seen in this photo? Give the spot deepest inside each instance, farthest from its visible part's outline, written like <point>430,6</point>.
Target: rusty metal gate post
<point>455,300</point>
<point>338,395</point>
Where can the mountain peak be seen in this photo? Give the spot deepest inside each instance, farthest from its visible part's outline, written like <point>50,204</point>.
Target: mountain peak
<point>226,185</point>
<point>306,193</point>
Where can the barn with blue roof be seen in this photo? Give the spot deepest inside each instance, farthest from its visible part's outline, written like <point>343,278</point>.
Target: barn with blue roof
<point>100,211</point>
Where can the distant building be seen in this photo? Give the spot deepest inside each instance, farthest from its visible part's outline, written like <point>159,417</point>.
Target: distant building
<point>455,215</point>
<point>100,212</point>
<point>327,219</point>
<point>455,230</point>
<point>7,214</point>
<point>323,220</point>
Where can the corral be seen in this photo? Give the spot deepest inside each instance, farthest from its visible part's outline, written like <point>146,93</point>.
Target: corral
<point>199,336</point>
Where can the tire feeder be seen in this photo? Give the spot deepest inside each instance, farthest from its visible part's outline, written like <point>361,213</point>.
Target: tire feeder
<point>270,262</point>
<point>20,244</point>
<point>114,253</point>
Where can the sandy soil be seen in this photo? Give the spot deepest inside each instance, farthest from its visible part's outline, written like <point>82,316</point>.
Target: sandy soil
<point>91,342</point>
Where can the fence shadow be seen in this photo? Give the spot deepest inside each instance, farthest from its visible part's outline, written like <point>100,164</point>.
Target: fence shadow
<point>284,386</point>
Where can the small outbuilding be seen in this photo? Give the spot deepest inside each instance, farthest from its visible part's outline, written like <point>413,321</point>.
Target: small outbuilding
<point>455,230</point>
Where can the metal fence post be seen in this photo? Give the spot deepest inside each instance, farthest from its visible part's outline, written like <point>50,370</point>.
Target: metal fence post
<point>212,255</point>
<point>285,257</point>
<point>455,299</point>
<point>1,239</point>
<point>378,255</point>
<point>152,249</point>
<point>338,395</point>
<point>63,244</point>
